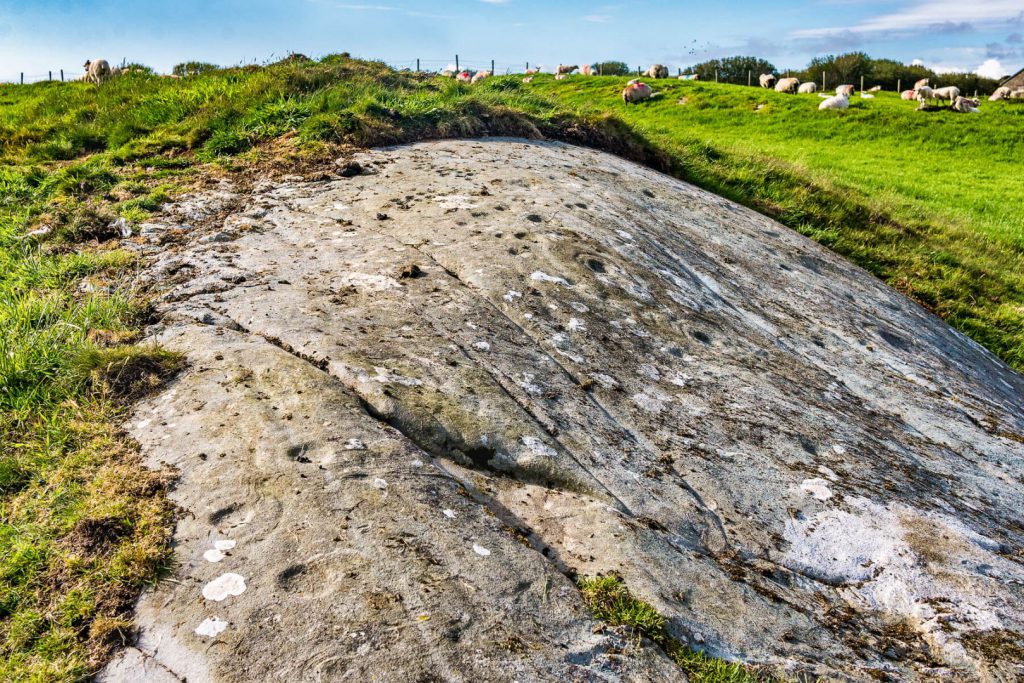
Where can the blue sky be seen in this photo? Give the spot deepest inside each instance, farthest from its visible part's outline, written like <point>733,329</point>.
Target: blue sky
<point>974,35</point>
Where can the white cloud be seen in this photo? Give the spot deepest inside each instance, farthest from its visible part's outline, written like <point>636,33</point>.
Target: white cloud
<point>917,62</point>
<point>991,68</point>
<point>928,14</point>
<point>597,18</point>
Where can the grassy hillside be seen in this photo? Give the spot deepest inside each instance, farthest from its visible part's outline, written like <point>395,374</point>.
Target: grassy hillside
<point>930,202</point>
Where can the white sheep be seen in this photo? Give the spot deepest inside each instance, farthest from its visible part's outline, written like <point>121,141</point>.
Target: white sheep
<point>528,79</point>
<point>1017,94</point>
<point>949,93</point>
<point>787,85</point>
<point>835,102</point>
<point>637,92</point>
<point>965,105</point>
<point>561,77</point>
<point>587,70</point>
<point>464,77</point>
<point>1000,94</point>
<point>690,77</point>
<point>845,90</point>
<point>808,88</point>
<point>923,94</point>
<point>480,75</point>
<point>923,83</point>
<point>767,81</point>
<point>876,88</point>
<point>96,71</point>
<point>565,70</point>
<point>908,95</point>
<point>658,71</point>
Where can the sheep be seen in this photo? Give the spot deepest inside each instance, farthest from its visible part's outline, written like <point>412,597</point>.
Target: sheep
<point>836,102</point>
<point>845,90</point>
<point>787,85</point>
<point>689,77</point>
<point>464,77</point>
<point>808,88</point>
<point>565,70</point>
<point>528,79</point>
<point>658,71</point>
<point>908,95</point>
<point>480,75</point>
<point>965,105</point>
<point>767,81</point>
<point>923,94</point>
<point>96,71</point>
<point>561,77</point>
<point>949,93</point>
<point>636,92</point>
<point>1017,94</point>
<point>923,83</point>
<point>587,70</point>
<point>1000,94</point>
<point>876,88</point>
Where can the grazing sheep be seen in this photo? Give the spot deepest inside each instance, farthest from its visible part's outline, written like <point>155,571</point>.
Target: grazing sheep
<point>787,85</point>
<point>908,95</point>
<point>949,93</point>
<point>845,90</point>
<point>96,71</point>
<point>877,88</point>
<point>658,71</point>
<point>866,96</point>
<point>1017,94</point>
<point>841,101</point>
<point>528,79</point>
<point>480,75</point>
<point>636,92</point>
<point>464,77</point>
<point>561,77</point>
<point>923,83</point>
<point>690,77</point>
<point>965,105</point>
<point>565,70</point>
<point>1000,94</point>
<point>767,81</point>
<point>587,70</point>
<point>808,88</point>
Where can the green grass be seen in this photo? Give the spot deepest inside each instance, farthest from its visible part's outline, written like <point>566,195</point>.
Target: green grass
<point>611,602</point>
<point>931,203</point>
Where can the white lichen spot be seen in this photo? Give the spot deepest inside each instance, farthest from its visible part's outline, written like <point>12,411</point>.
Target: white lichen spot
<point>650,372</point>
<point>541,276</point>
<point>580,308</point>
<point>650,401</point>
<point>482,346</point>
<point>224,587</point>
<point>680,379</point>
<point>538,447</point>
<point>512,296</point>
<point>144,424</point>
<point>213,556</point>
<point>606,381</point>
<point>481,551</point>
<point>417,463</point>
<point>363,650</point>
<point>450,514</point>
<point>224,545</point>
<point>379,483</point>
<point>355,445</point>
<point>385,376</point>
<point>529,386</point>
<point>838,449</point>
<point>211,628</point>
<point>576,325</point>
<point>817,488</point>
<point>624,235</point>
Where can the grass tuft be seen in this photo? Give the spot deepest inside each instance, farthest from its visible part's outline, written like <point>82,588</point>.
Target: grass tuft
<point>611,601</point>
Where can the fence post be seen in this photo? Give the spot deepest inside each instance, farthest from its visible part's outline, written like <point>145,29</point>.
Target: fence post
<point>457,63</point>
<point>49,75</point>
<point>750,78</point>
<point>23,78</point>
<point>823,88</point>
<point>899,85</point>
<point>716,75</point>
<point>862,84</point>
<point>62,75</point>
<point>492,67</point>
<point>417,66</point>
<point>527,67</point>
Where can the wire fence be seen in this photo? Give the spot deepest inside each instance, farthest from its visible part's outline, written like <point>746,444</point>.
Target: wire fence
<point>455,63</point>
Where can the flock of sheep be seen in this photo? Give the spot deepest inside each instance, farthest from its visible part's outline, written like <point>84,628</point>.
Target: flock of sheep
<point>99,70</point>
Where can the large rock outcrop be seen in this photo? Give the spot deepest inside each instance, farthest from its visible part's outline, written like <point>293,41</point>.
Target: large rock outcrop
<point>420,399</point>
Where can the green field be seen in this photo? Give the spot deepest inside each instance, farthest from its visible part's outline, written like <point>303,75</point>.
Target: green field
<point>931,202</point>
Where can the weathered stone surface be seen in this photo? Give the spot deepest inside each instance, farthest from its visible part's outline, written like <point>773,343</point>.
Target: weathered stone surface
<point>592,368</point>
